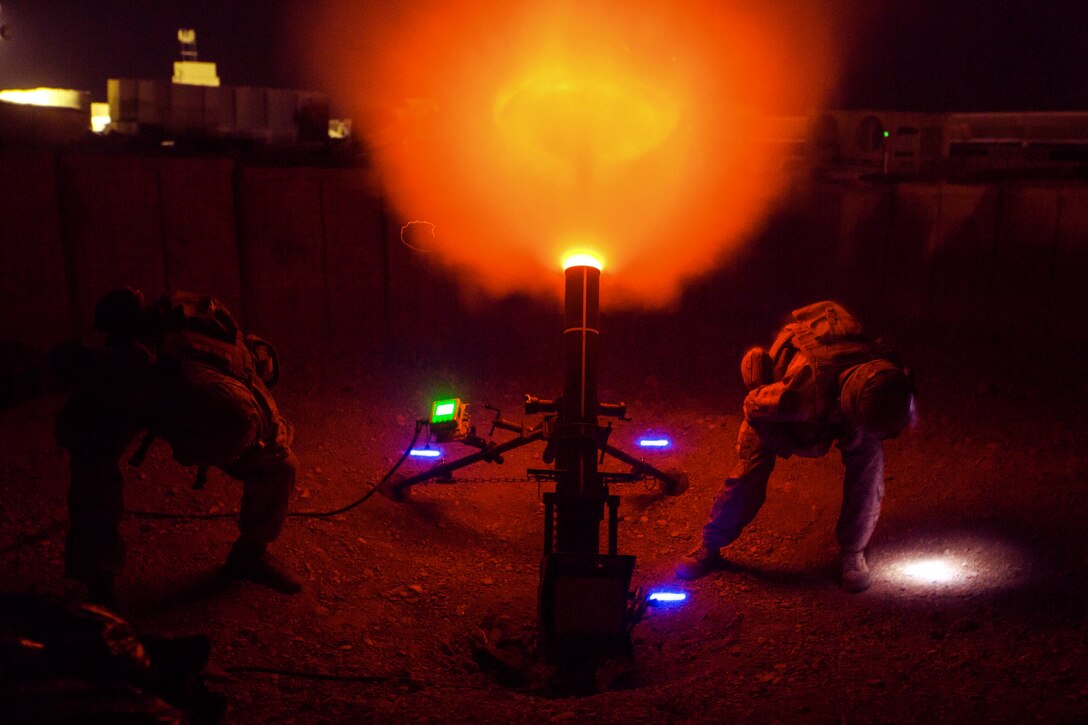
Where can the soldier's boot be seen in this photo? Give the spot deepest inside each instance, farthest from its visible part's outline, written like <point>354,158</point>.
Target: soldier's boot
<point>855,572</point>
<point>698,562</point>
<point>255,564</point>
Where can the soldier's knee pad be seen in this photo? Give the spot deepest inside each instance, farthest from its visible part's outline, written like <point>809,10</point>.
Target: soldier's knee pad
<point>755,368</point>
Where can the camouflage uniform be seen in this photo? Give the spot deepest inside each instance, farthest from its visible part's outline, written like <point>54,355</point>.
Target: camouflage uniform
<point>793,409</point>
<point>195,388</point>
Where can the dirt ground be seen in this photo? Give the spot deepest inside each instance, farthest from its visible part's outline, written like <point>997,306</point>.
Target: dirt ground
<point>992,482</point>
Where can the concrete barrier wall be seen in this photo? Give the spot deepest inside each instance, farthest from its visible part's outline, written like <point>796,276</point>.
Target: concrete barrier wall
<point>356,267</point>
<point>1025,255</point>
<point>310,257</point>
<point>282,249</point>
<point>1003,259</point>
<point>199,228</point>
<point>1069,300</point>
<point>112,225</point>
<point>34,294</point>
<point>962,284</point>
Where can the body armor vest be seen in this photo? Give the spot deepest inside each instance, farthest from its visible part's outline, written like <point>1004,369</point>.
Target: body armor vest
<point>832,342</point>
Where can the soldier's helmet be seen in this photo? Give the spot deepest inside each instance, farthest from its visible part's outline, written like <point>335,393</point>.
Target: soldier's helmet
<point>878,397</point>
<point>120,313</point>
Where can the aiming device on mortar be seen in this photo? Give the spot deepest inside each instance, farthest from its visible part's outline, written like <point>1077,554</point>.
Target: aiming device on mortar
<point>585,606</point>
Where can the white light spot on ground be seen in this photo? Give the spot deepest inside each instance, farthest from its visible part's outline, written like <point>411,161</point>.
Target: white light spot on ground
<point>935,571</point>
<point>962,564</point>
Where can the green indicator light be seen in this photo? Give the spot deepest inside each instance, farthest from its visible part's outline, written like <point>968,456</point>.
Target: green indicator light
<point>444,411</point>
<point>887,134</point>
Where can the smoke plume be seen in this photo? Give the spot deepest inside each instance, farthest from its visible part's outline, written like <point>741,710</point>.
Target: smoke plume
<point>634,129</point>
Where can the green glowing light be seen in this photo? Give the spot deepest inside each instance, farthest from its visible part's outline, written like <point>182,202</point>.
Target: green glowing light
<point>445,411</point>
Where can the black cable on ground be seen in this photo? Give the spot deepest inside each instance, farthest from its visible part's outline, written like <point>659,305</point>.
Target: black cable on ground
<point>372,491</point>
<point>299,514</point>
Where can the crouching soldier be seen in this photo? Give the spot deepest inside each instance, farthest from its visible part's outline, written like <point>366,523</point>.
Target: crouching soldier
<point>180,370</point>
<point>822,382</point>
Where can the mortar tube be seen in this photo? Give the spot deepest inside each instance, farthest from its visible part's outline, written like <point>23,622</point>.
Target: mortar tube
<point>579,491</point>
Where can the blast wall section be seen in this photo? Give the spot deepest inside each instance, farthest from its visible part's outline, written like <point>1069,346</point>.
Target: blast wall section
<point>1007,259</point>
<point>111,222</point>
<point>34,295</point>
<point>282,252</point>
<point>299,254</point>
<point>356,268</point>
<point>199,228</point>
<point>312,257</point>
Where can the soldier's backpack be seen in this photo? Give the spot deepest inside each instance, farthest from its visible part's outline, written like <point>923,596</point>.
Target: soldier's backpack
<point>829,337</point>
<point>201,328</point>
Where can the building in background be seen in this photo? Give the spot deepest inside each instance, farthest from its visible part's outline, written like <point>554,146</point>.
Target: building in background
<point>47,116</point>
<point>192,105</point>
<point>946,144</point>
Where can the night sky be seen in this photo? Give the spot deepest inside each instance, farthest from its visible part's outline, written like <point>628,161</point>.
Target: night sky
<point>925,55</point>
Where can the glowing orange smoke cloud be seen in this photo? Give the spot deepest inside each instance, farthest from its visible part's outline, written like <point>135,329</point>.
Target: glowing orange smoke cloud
<point>526,131</point>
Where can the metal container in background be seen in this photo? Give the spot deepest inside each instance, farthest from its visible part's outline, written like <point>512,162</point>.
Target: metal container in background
<point>186,115</point>
<point>123,97</point>
<point>282,114</point>
<point>250,112</point>
<point>219,110</point>
<point>153,100</point>
<point>312,117</point>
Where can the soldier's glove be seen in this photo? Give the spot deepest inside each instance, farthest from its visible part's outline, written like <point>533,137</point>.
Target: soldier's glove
<point>265,360</point>
<point>755,368</point>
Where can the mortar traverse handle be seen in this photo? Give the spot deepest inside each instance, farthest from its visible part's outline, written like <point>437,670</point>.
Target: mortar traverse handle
<point>503,423</point>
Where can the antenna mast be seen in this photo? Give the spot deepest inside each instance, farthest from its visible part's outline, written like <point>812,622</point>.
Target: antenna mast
<point>187,38</point>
